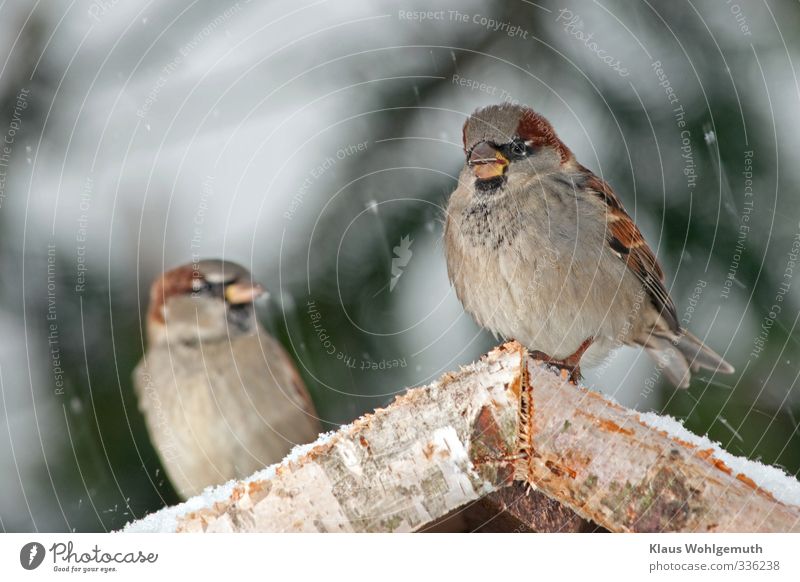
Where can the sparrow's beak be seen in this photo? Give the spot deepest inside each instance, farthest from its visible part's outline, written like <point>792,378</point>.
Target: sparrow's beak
<point>486,162</point>
<point>243,292</point>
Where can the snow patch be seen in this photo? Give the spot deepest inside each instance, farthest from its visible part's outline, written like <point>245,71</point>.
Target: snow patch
<point>166,520</point>
<point>783,487</point>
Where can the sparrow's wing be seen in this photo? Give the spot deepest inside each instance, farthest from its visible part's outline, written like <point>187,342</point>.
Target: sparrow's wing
<point>626,240</point>
<point>275,387</point>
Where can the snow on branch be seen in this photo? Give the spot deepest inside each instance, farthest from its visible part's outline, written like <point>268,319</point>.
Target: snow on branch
<point>476,431</point>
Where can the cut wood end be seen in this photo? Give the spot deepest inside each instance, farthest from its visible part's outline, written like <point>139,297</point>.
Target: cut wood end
<point>583,449</point>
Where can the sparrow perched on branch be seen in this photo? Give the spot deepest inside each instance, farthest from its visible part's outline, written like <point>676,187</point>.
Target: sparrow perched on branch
<point>221,398</point>
<point>541,250</point>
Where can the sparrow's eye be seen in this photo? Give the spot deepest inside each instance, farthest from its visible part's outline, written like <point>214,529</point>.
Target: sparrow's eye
<point>200,285</point>
<point>518,147</point>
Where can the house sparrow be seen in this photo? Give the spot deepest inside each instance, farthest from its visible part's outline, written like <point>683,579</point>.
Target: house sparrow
<point>221,398</point>
<point>541,250</point>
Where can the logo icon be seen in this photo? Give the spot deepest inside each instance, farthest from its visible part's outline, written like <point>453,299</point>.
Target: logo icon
<point>402,256</point>
<point>31,555</point>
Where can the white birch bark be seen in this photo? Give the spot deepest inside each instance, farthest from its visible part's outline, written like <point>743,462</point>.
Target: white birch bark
<point>473,432</point>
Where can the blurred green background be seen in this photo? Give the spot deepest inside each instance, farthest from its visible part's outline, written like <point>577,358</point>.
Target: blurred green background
<point>306,141</point>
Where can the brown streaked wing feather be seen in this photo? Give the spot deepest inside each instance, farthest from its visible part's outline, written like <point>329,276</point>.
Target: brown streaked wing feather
<point>298,387</point>
<point>625,239</point>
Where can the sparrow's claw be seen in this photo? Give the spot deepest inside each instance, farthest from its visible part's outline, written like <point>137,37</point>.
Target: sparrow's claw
<point>570,366</point>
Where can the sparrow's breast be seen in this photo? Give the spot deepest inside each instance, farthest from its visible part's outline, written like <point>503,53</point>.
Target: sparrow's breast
<point>534,266</point>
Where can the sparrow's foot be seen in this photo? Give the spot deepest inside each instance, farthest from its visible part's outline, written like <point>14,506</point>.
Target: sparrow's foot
<point>571,365</point>
<point>537,355</point>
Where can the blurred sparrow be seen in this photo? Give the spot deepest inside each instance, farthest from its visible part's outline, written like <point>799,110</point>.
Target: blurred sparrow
<point>220,396</point>
<point>541,250</point>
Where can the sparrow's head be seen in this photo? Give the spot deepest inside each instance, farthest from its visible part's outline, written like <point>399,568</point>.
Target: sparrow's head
<point>206,301</point>
<point>505,143</point>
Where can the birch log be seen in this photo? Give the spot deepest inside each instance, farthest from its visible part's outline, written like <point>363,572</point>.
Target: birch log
<point>474,432</point>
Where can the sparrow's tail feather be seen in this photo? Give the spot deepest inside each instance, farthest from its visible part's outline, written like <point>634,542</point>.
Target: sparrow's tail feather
<point>677,355</point>
<point>700,355</point>
<point>670,360</point>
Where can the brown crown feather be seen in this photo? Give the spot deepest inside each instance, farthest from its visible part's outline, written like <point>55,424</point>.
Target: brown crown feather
<point>536,129</point>
<point>175,282</point>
